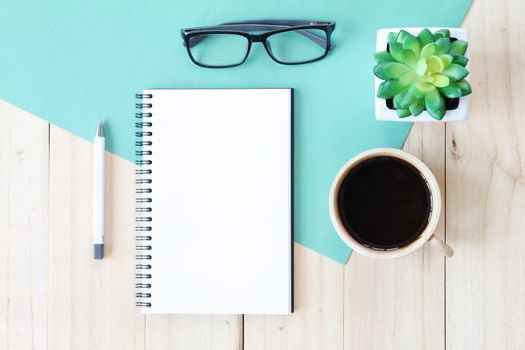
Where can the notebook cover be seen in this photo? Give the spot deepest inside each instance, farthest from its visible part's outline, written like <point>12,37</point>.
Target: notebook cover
<point>215,224</point>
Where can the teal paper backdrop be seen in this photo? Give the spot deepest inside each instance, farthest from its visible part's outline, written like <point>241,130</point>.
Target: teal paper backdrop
<point>74,62</point>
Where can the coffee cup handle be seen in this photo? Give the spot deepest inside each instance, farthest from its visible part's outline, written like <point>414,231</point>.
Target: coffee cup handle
<point>441,246</point>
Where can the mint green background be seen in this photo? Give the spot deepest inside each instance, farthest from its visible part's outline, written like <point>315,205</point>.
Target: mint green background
<point>74,62</point>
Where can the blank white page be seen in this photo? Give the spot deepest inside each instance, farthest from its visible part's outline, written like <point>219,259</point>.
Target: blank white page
<point>222,198</point>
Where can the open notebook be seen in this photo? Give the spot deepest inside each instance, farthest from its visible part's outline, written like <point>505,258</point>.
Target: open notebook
<point>214,220</point>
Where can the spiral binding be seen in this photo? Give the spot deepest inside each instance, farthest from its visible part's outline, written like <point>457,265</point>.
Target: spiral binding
<point>143,210</point>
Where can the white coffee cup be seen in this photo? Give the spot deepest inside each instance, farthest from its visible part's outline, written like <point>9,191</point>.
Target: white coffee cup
<point>427,235</point>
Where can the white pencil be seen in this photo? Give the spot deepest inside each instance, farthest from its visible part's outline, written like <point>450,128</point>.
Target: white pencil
<point>99,189</point>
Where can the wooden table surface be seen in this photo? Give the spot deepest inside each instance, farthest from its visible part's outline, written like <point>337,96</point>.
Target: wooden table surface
<point>54,296</point>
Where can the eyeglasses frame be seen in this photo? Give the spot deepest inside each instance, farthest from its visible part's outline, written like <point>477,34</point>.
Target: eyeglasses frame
<point>327,27</point>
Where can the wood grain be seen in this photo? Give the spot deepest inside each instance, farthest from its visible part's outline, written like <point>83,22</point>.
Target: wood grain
<point>399,304</point>
<point>486,188</point>
<point>90,302</point>
<point>194,332</point>
<point>24,174</point>
<point>54,296</point>
<point>317,322</point>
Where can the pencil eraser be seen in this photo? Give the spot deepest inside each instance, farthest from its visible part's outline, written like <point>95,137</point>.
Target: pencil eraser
<point>98,251</point>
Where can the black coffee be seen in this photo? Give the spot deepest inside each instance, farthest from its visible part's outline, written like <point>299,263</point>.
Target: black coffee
<point>384,203</point>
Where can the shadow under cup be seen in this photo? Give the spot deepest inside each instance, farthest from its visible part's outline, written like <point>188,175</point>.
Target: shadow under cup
<point>384,203</point>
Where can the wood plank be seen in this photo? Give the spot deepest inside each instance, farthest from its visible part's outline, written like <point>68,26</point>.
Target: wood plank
<point>5,151</point>
<point>399,304</point>
<point>91,302</point>
<point>194,332</point>
<point>24,174</point>
<point>388,305</point>
<point>486,187</point>
<point>120,240</point>
<point>317,322</point>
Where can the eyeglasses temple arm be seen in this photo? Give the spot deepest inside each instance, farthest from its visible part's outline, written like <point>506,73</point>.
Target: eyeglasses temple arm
<point>282,22</point>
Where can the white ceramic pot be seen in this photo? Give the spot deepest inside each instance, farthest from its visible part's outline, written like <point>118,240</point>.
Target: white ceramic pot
<point>382,111</point>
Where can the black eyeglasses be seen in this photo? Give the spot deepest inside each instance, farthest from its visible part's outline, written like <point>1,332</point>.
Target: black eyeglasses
<point>286,41</point>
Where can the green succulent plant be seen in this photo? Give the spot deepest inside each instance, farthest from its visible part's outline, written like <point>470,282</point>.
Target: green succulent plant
<point>420,71</point>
